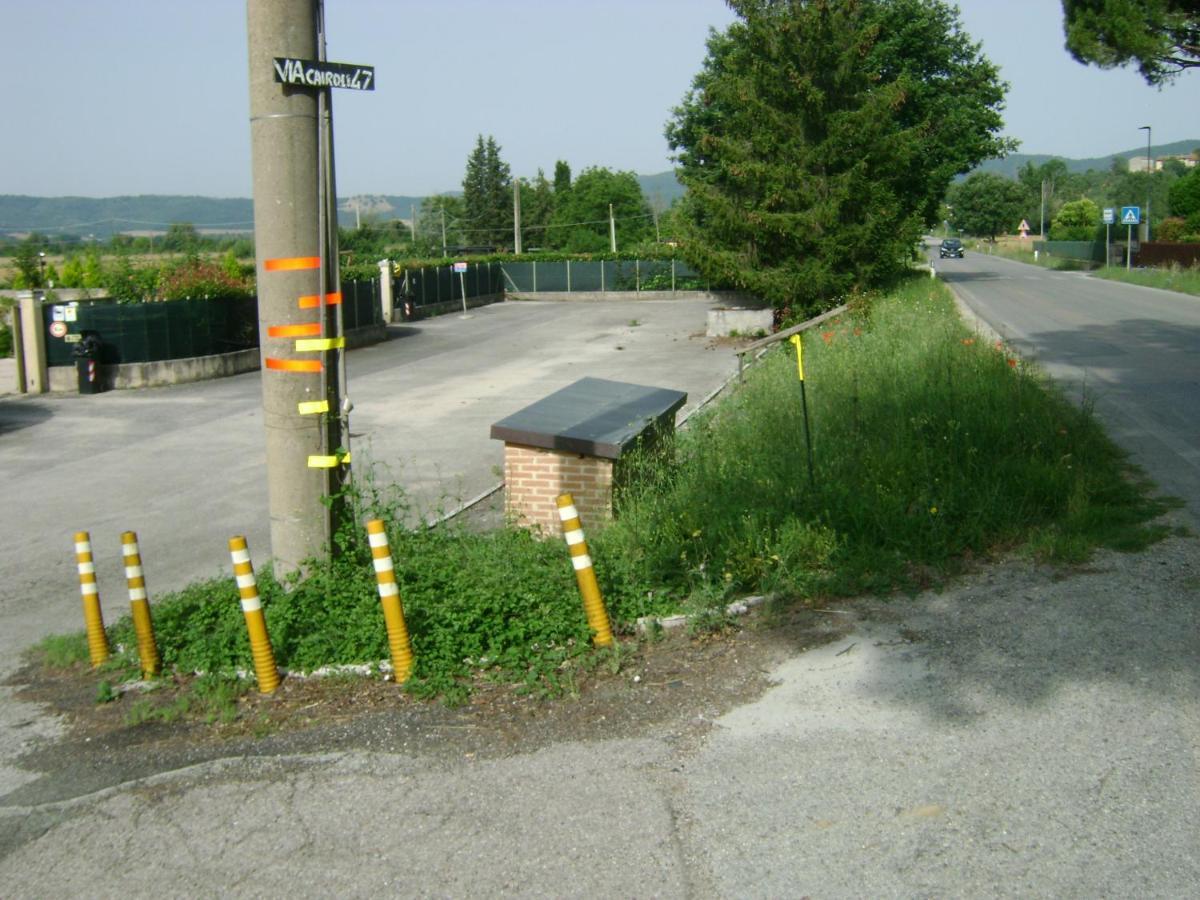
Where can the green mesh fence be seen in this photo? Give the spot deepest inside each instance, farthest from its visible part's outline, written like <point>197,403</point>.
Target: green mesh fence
<point>576,276</point>
<point>179,329</point>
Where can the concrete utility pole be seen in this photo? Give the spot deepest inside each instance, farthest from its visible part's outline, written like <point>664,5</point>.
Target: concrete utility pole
<point>300,377</point>
<point>517,216</point>
<point>612,230</point>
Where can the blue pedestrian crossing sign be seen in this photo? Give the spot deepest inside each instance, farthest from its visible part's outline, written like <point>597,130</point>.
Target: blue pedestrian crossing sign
<point>1131,215</point>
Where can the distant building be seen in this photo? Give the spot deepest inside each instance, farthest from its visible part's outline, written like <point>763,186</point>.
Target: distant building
<point>1138,163</point>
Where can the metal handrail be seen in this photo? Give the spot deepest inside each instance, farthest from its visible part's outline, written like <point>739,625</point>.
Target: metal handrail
<point>763,343</point>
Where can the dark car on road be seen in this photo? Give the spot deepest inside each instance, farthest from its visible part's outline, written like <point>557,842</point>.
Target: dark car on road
<point>951,247</point>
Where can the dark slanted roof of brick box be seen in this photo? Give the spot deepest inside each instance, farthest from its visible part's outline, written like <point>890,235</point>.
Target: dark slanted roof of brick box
<point>593,416</point>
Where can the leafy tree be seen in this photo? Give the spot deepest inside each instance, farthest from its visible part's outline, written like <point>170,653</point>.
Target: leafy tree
<point>1161,36</point>
<point>988,204</point>
<point>819,137</point>
<point>93,269</point>
<point>28,261</point>
<point>537,209</point>
<point>562,177</point>
<point>1047,183</point>
<point>581,223</point>
<point>181,237</point>
<point>487,195</point>
<point>72,272</point>
<point>1076,221</point>
<point>1184,195</point>
<point>436,211</point>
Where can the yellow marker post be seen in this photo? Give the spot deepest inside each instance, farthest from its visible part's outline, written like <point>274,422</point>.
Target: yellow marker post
<point>139,606</point>
<point>585,572</point>
<point>389,598</point>
<point>256,624</point>
<point>90,592</point>
<point>796,342</point>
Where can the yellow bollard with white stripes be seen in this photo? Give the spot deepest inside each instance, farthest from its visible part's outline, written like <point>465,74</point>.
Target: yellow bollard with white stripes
<point>389,598</point>
<point>585,573</point>
<point>90,592</point>
<point>139,605</point>
<point>256,624</point>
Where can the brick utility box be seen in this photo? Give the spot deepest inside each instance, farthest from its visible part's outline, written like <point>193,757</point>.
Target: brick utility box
<point>572,442</point>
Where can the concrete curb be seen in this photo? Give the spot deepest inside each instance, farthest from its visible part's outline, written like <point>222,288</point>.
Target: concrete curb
<point>647,625</point>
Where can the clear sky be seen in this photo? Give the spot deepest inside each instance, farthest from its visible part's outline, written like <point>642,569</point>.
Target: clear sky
<point>109,97</point>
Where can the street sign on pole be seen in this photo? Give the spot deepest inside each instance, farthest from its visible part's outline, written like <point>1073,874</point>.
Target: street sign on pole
<point>1131,215</point>
<point>319,73</point>
<point>1110,216</point>
<point>461,269</point>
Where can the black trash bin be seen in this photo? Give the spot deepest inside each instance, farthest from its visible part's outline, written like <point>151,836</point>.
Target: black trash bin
<point>87,363</point>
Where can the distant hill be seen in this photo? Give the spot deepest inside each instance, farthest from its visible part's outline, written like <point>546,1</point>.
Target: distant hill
<point>1011,164</point>
<point>103,217</point>
<point>661,190</point>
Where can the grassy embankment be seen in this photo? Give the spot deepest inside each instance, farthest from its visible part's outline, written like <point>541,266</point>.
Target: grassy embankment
<point>1173,278</point>
<point>931,448</point>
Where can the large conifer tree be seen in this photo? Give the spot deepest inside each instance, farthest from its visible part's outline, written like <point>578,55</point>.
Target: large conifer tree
<point>819,137</point>
<point>487,196</point>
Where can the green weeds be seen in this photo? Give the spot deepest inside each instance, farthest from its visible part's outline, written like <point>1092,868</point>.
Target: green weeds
<point>930,447</point>
<point>1170,278</point>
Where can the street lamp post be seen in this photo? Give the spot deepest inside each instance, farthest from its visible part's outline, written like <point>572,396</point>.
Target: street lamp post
<point>42,263</point>
<point>1149,176</point>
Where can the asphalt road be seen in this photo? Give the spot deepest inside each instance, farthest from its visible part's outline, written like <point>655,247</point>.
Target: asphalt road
<point>1131,352</point>
<point>1027,733</point>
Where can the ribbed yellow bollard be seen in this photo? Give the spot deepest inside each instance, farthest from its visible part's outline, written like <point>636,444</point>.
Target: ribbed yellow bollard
<point>585,574</point>
<point>90,592</point>
<point>139,605</point>
<point>256,624</point>
<point>389,598</point>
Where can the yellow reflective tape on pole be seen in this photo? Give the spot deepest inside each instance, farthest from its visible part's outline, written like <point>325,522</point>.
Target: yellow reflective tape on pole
<point>795,341</point>
<point>328,462</point>
<point>313,407</point>
<point>336,343</point>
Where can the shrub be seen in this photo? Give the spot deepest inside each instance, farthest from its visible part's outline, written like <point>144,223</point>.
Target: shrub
<point>201,279</point>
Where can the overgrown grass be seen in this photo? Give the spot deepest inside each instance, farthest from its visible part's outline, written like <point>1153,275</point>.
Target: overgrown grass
<point>1172,278</point>
<point>928,445</point>
<point>929,448</point>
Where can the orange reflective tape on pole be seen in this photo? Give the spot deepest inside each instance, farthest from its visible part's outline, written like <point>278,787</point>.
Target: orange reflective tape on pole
<point>93,620</point>
<point>314,300</point>
<point>585,572</point>
<point>307,329</point>
<point>256,624</point>
<point>139,605</point>
<point>292,263</point>
<point>294,365</point>
<point>389,598</point>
